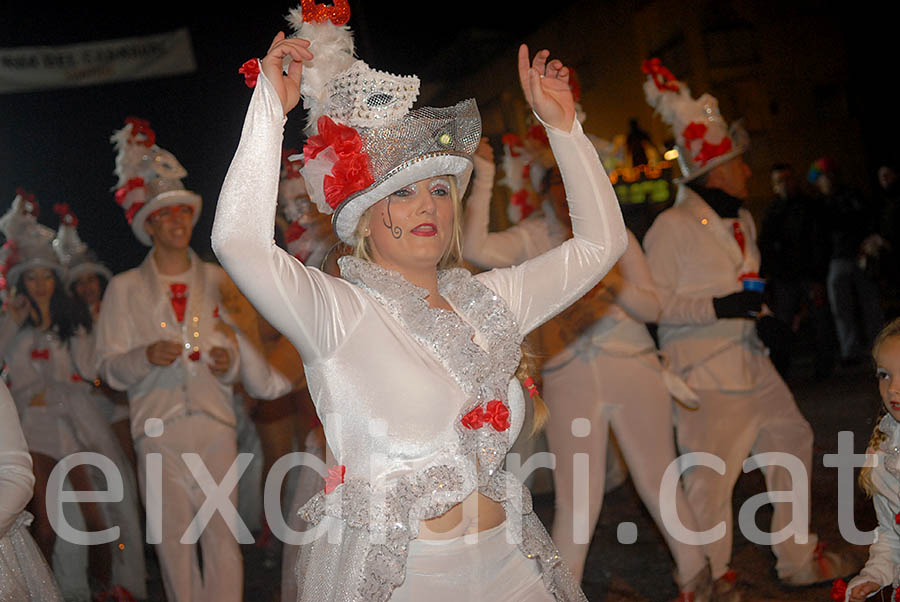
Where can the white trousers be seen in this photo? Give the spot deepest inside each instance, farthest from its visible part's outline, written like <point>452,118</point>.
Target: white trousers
<point>222,576</point>
<point>732,426</point>
<point>626,394</point>
<point>451,570</point>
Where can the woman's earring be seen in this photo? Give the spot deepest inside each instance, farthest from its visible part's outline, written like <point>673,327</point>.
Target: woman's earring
<point>366,232</point>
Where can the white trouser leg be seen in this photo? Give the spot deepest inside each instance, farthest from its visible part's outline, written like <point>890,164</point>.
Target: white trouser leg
<point>642,423</point>
<point>181,499</point>
<point>571,393</point>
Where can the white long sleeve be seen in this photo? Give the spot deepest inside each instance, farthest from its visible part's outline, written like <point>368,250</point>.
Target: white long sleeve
<point>313,310</point>
<point>540,288</point>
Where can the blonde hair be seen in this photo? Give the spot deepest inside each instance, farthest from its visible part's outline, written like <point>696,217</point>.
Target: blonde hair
<point>878,436</point>
<point>451,258</point>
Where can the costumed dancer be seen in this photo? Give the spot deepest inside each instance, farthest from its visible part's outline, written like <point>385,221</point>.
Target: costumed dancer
<point>86,279</point>
<point>161,339</point>
<point>601,371</point>
<point>881,479</point>
<point>701,252</point>
<point>24,574</point>
<point>60,417</point>
<point>410,366</point>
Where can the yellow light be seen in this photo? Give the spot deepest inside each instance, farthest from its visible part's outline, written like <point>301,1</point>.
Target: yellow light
<point>196,334</point>
<point>163,324</point>
<point>671,154</point>
<point>704,221</point>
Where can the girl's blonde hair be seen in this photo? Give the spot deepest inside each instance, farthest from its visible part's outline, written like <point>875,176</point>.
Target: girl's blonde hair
<point>878,436</point>
<point>451,258</point>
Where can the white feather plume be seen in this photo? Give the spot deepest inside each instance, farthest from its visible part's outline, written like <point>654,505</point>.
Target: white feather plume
<point>332,48</point>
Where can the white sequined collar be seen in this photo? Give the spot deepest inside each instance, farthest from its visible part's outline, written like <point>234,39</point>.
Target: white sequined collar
<point>891,428</point>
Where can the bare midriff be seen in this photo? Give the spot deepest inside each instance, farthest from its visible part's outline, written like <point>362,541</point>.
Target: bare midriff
<point>475,513</point>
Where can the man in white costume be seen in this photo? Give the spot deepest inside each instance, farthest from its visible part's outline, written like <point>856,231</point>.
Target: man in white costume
<point>160,337</point>
<point>703,257</point>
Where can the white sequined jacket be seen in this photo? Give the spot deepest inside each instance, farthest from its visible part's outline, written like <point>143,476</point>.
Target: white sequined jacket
<point>393,379</point>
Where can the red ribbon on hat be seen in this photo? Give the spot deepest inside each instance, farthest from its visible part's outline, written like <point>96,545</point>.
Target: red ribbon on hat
<point>339,14</point>
<point>711,151</point>
<point>141,126</point>
<point>65,214</point>
<point>351,171</point>
<point>662,77</point>
<point>179,299</point>
<point>40,354</point>
<point>335,477</point>
<point>250,71</point>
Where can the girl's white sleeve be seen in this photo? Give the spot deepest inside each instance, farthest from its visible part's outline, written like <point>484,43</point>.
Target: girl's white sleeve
<point>884,554</point>
<point>315,311</point>
<point>540,288</point>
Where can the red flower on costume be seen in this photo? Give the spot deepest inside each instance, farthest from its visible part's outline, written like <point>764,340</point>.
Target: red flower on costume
<point>474,419</point>
<point>141,127</point>
<point>351,172</point>
<point>495,413</point>
<point>339,14</point>
<point>662,77</point>
<point>179,299</point>
<point>838,590</point>
<point>40,354</point>
<point>335,477</point>
<point>195,356</point>
<point>250,71</point>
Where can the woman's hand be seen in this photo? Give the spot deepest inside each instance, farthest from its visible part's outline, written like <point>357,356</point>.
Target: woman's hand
<point>18,307</point>
<point>546,88</point>
<point>862,591</point>
<point>272,65</point>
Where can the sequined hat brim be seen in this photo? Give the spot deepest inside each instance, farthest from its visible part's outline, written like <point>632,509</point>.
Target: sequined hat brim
<point>692,173</point>
<point>431,165</point>
<point>165,199</point>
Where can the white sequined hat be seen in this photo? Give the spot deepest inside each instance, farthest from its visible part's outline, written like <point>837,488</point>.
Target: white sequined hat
<point>149,177</point>
<point>28,244</point>
<point>364,141</point>
<point>73,253</point>
<point>702,137</point>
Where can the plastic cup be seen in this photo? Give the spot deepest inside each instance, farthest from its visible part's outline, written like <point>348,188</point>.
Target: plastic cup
<point>754,284</point>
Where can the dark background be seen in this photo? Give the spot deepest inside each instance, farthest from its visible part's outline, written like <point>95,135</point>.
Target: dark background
<point>56,143</point>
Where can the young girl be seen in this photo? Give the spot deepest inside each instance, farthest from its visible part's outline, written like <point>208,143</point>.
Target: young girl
<point>882,481</point>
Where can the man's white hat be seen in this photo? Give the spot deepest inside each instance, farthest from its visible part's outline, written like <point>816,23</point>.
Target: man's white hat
<point>149,177</point>
<point>702,137</point>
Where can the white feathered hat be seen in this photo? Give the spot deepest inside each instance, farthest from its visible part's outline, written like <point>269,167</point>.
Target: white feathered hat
<point>73,253</point>
<point>149,177</point>
<point>364,141</point>
<point>702,137</point>
<point>28,244</point>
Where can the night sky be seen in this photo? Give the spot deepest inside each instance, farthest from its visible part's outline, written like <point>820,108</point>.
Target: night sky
<point>56,143</point>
